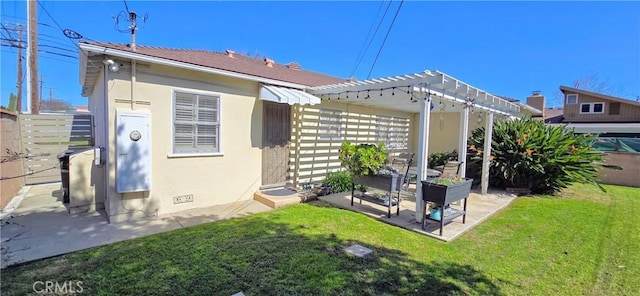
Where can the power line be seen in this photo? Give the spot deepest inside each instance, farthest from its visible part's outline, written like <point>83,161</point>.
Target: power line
<point>43,36</point>
<point>385,39</point>
<point>21,44</point>
<point>5,28</point>
<point>363,50</point>
<point>24,18</point>
<point>126,6</point>
<point>60,27</point>
<point>41,50</point>
<point>56,47</point>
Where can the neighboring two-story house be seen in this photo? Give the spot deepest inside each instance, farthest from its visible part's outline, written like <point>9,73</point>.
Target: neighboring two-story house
<point>615,121</point>
<point>590,112</point>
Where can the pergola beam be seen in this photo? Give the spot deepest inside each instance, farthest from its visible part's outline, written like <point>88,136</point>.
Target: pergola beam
<point>434,82</point>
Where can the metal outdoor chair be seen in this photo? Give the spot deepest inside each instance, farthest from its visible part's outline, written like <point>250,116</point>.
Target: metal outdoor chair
<point>451,169</point>
<point>402,163</point>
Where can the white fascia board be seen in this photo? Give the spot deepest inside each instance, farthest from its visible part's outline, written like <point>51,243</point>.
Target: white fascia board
<point>183,65</point>
<point>604,127</point>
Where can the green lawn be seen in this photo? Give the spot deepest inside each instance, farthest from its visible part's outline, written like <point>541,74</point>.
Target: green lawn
<point>585,242</point>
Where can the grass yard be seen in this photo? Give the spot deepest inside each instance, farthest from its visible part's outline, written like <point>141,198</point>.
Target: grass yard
<point>585,242</point>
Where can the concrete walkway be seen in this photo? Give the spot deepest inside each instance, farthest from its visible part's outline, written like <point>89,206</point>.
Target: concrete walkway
<point>41,227</point>
<point>479,208</point>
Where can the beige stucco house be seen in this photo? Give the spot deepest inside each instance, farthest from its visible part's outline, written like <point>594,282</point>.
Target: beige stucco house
<point>181,129</point>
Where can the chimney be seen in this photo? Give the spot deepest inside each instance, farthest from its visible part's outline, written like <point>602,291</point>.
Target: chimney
<point>294,66</point>
<point>536,100</point>
<point>268,63</point>
<point>229,53</point>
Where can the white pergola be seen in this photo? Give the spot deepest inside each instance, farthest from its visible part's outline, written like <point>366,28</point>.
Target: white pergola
<point>420,93</point>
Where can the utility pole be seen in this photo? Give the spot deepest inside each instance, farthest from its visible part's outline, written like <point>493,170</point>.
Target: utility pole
<point>19,85</point>
<point>33,57</point>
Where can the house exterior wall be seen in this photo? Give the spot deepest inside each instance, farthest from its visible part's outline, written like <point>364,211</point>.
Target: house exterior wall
<point>628,112</point>
<point>97,107</point>
<point>444,132</point>
<point>232,176</point>
<point>10,141</point>
<point>313,156</point>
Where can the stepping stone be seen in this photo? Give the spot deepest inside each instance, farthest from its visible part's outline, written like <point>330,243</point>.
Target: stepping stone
<point>358,250</point>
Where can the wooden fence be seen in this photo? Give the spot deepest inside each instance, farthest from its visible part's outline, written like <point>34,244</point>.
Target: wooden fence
<point>46,136</point>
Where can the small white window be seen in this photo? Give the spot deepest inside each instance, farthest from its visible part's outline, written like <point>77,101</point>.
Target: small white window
<point>592,108</point>
<point>196,123</point>
<point>572,99</point>
<point>330,125</point>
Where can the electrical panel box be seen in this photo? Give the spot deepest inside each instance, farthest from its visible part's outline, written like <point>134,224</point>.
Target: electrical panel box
<point>133,151</point>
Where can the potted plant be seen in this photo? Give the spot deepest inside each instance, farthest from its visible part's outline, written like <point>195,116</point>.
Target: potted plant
<point>366,164</point>
<point>446,190</point>
<point>362,159</point>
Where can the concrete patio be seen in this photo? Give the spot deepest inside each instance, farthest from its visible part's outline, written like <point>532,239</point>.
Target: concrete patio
<point>479,208</point>
<point>41,227</point>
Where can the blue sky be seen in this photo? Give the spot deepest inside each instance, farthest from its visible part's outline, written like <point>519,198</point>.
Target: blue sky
<point>506,48</point>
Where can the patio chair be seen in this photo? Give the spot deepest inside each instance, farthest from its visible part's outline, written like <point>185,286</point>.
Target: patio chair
<point>451,169</point>
<point>402,163</point>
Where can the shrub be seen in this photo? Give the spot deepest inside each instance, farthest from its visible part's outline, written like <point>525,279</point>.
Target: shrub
<point>362,159</point>
<point>440,158</point>
<point>338,181</point>
<point>527,153</point>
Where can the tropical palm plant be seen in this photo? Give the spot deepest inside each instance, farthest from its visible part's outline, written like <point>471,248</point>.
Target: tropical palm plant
<point>528,153</point>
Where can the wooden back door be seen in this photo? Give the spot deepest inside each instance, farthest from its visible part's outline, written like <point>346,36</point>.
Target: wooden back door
<point>276,141</point>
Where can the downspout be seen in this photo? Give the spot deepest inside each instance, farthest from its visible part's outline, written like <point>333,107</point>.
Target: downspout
<point>133,82</point>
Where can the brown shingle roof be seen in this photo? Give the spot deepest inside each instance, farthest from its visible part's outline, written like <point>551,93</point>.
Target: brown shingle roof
<point>553,115</point>
<point>238,63</point>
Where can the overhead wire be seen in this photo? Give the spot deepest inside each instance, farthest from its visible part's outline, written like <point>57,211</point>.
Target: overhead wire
<point>364,42</point>
<point>24,18</point>
<point>359,60</point>
<point>385,39</point>
<point>61,29</point>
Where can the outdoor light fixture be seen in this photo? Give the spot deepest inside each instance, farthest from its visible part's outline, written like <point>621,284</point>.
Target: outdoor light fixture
<point>112,66</point>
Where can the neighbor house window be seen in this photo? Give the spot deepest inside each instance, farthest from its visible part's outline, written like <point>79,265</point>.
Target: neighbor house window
<point>393,132</point>
<point>196,123</point>
<point>614,108</point>
<point>572,99</point>
<point>330,125</point>
<point>592,108</point>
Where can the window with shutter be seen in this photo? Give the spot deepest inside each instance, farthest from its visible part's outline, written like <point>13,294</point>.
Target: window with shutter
<point>393,132</point>
<point>196,123</point>
<point>330,126</point>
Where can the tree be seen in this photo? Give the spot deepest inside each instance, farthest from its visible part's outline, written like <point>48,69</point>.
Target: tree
<point>592,82</point>
<point>12,102</point>
<point>55,105</point>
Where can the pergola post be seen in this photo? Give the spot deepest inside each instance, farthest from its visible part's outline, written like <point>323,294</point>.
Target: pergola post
<point>423,154</point>
<point>464,135</point>
<point>488,134</point>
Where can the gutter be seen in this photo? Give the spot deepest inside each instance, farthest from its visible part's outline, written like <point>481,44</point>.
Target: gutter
<point>183,65</point>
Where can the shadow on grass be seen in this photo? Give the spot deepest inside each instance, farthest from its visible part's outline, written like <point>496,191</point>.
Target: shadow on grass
<point>259,255</point>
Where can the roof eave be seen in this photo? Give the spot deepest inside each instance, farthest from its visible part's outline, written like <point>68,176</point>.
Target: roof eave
<point>166,62</point>
<point>603,96</point>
